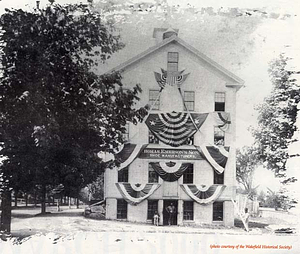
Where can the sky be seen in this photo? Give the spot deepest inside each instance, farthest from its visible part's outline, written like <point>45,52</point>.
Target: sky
<point>272,36</point>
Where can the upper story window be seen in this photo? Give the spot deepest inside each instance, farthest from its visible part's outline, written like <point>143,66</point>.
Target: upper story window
<point>125,135</point>
<point>219,137</point>
<point>152,139</point>
<point>154,99</point>
<point>219,101</point>
<point>188,175</point>
<point>189,100</point>
<point>189,141</point>
<point>218,178</point>
<point>173,58</point>
<point>152,175</point>
<point>123,175</point>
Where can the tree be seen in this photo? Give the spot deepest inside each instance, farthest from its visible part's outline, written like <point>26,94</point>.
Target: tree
<point>246,163</point>
<point>56,113</point>
<point>280,199</point>
<point>277,118</point>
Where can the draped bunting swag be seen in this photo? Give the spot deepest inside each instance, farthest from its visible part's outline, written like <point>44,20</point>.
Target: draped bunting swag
<point>174,128</point>
<point>170,78</point>
<point>221,119</point>
<point>135,195</point>
<point>217,157</point>
<point>128,154</point>
<point>169,176</point>
<point>202,194</point>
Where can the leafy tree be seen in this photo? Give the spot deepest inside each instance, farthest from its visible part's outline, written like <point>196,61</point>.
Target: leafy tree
<point>55,113</point>
<point>246,163</point>
<point>280,199</point>
<point>277,118</point>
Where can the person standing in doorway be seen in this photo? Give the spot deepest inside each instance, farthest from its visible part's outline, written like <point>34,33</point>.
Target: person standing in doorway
<point>171,212</point>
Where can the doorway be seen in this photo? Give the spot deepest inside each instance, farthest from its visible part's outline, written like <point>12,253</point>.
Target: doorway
<point>167,203</point>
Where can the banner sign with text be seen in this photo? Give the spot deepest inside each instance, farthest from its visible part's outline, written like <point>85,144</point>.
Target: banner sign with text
<point>168,154</point>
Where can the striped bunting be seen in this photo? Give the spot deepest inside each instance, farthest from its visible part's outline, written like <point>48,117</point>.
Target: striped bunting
<point>216,156</point>
<point>171,171</point>
<point>170,78</point>
<point>203,194</point>
<point>128,154</point>
<point>174,128</point>
<point>136,193</point>
<point>221,119</point>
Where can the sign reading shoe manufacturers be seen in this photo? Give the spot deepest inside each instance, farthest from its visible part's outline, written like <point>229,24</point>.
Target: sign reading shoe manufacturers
<point>166,153</point>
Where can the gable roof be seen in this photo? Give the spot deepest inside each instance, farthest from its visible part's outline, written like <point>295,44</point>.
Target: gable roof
<point>232,79</point>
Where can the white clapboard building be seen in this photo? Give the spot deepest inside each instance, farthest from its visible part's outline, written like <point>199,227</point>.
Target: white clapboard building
<point>184,151</point>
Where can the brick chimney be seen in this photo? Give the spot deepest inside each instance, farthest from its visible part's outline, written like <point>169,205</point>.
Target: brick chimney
<point>161,34</point>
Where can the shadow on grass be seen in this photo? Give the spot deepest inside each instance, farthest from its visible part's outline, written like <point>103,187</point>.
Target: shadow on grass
<point>59,214</point>
<point>239,224</point>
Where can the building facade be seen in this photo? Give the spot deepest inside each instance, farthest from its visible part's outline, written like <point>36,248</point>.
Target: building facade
<point>184,151</point>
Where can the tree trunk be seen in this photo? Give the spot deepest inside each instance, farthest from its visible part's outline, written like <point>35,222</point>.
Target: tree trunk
<point>43,201</point>
<point>6,212</point>
<point>16,197</point>
<point>26,199</point>
<point>77,202</point>
<point>34,198</point>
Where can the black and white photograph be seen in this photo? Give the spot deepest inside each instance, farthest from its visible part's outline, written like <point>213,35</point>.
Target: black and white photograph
<point>156,126</point>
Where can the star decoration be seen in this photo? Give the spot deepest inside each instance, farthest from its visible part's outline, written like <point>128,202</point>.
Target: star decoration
<point>152,123</point>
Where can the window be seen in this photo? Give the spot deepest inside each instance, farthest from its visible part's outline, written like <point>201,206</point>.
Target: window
<point>218,211</point>
<point>218,178</point>
<point>125,135</point>
<point>152,139</point>
<point>173,61</point>
<point>121,209</point>
<point>154,99</point>
<point>188,175</point>
<point>188,210</point>
<point>123,175</point>
<point>189,100</point>
<point>219,137</point>
<point>219,101</point>
<point>189,141</point>
<point>152,207</point>
<point>152,175</point>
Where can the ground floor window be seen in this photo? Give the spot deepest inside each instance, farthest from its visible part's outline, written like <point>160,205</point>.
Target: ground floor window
<point>121,209</point>
<point>218,211</point>
<point>188,210</point>
<point>152,207</point>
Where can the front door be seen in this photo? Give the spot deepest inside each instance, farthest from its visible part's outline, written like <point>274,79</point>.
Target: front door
<point>172,218</point>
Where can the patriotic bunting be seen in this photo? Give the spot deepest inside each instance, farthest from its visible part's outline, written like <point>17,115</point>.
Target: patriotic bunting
<point>128,154</point>
<point>170,78</point>
<point>221,119</point>
<point>136,193</point>
<point>203,194</point>
<point>170,172</point>
<point>174,128</point>
<point>216,156</point>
